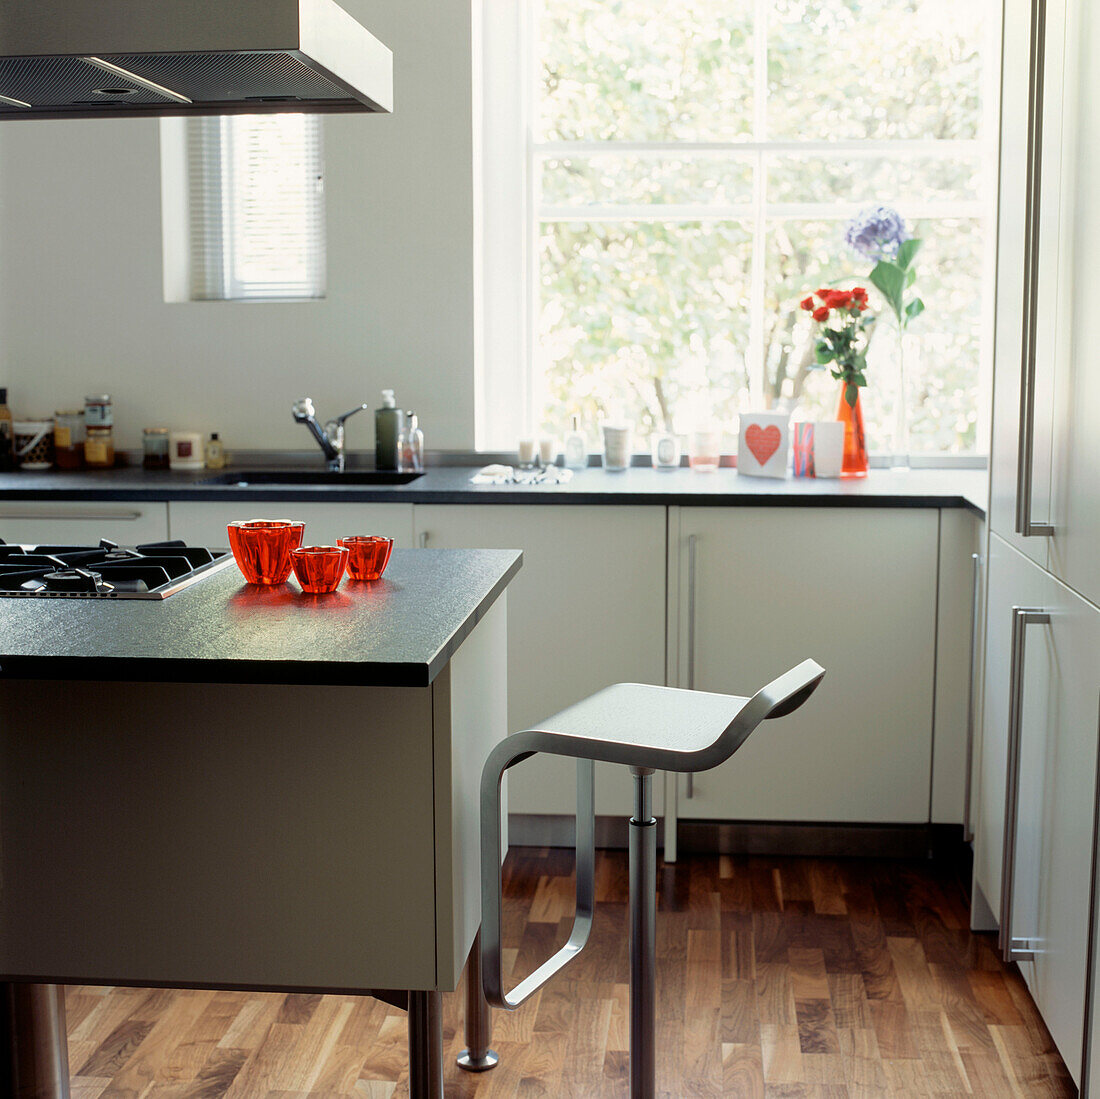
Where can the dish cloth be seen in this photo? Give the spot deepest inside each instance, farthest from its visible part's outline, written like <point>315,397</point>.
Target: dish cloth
<point>507,475</point>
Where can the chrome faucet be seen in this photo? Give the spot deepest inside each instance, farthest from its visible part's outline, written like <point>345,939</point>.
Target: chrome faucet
<point>330,438</point>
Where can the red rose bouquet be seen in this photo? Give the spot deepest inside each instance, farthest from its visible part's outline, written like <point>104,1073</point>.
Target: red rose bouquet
<point>843,337</point>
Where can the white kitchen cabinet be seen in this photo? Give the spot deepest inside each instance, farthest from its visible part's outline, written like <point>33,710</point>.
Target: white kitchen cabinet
<point>587,609</point>
<point>78,523</point>
<point>1039,759</point>
<point>855,590</point>
<point>1076,488</point>
<point>203,523</point>
<point>1038,319</point>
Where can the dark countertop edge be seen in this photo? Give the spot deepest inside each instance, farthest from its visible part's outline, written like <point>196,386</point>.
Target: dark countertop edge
<point>196,670</point>
<point>441,658</point>
<point>327,673</point>
<point>486,495</point>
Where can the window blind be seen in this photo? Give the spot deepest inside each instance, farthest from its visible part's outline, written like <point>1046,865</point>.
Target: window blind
<point>256,207</point>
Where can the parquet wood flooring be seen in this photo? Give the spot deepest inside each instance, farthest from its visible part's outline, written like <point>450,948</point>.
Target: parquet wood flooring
<point>777,979</point>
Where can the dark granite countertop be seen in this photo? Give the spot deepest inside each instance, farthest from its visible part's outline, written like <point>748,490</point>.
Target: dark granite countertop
<point>451,485</point>
<point>398,631</point>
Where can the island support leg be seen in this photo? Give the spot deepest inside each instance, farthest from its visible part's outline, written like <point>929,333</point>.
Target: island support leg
<point>425,1045</point>
<point>37,1049</point>
<point>477,1056</point>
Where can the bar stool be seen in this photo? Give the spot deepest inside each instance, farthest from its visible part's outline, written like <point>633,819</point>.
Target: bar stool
<point>645,728</point>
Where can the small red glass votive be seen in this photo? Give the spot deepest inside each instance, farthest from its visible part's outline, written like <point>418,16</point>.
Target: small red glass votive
<point>261,548</point>
<point>319,568</point>
<point>368,555</point>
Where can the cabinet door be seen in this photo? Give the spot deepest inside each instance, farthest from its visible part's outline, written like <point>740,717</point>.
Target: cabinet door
<point>204,523</point>
<point>129,524</point>
<point>1073,552</point>
<point>1033,289</point>
<point>1054,795</point>
<point>586,610</point>
<point>855,590</point>
<point>1013,581</point>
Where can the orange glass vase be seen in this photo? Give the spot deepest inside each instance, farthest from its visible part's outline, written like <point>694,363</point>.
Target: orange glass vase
<point>855,441</point>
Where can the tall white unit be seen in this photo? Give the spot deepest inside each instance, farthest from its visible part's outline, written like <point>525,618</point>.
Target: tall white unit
<point>1035,835</point>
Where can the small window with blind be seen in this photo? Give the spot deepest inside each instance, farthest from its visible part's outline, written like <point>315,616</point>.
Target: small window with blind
<point>244,208</point>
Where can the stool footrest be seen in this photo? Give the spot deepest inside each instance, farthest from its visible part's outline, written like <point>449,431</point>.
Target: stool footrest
<point>491,898</point>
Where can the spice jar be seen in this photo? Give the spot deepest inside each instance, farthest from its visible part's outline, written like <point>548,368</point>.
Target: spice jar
<point>68,438</point>
<point>154,445</point>
<point>99,448</point>
<point>98,411</point>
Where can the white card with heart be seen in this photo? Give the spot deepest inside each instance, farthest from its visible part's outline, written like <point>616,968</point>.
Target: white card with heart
<point>764,444</point>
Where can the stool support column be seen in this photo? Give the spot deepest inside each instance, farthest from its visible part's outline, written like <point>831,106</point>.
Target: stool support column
<point>425,1045</point>
<point>643,943</point>
<point>38,1050</point>
<point>477,1056</point>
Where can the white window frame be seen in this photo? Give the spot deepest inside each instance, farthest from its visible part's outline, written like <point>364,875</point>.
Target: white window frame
<point>223,283</point>
<point>508,213</point>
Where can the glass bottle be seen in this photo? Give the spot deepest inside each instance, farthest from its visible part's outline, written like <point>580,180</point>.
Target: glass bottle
<point>214,452</point>
<point>99,448</point>
<point>575,447</point>
<point>410,445</point>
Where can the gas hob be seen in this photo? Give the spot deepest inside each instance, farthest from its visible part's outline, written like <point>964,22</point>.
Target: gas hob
<point>107,571</point>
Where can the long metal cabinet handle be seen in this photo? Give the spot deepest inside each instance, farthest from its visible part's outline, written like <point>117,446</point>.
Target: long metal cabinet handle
<point>1012,949</point>
<point>107,516</point>
<point>693,541</point>
<point>1025,455</point>
<point>975,597</point>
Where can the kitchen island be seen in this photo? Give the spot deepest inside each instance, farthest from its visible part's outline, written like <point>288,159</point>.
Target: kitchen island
<point>253,788</point>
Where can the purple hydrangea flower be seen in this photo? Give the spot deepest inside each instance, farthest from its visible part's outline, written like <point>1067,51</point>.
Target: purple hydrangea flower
<point>876,233</point>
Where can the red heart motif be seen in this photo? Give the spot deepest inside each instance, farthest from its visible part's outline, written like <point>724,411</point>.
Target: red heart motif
<point>763,441</point>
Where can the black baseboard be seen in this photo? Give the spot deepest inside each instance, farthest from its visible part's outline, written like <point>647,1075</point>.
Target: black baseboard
<point>911,841</point>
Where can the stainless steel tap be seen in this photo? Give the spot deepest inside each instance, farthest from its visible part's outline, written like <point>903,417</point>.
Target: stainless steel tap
<point>330,438</point>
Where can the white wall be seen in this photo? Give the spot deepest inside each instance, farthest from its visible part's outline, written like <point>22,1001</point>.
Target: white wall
<point>81,296</point>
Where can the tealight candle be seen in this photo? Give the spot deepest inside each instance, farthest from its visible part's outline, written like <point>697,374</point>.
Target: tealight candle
<point>528,451</point>
<point>548,450</point>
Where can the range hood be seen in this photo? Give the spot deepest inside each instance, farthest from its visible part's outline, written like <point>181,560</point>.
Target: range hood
<point>128,58</point>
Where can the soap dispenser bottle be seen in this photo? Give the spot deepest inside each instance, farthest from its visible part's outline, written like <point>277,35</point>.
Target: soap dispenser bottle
<point>388,422</point>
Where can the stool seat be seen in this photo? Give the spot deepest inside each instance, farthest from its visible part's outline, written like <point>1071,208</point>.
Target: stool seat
<point>664,728</point>
<point>640,725</point>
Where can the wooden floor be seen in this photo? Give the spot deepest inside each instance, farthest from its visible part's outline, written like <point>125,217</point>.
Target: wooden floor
<point>777,978</point>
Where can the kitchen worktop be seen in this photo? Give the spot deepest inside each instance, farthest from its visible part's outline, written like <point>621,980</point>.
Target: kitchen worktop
<point>966,488</point>
<point>398,631</point>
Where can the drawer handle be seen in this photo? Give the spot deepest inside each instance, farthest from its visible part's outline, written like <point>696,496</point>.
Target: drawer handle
<point>1025,455</point>
<point>1013,949</point>
<point>105,516</point>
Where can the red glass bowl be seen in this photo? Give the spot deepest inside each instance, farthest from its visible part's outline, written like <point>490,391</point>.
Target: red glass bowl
<point>368,555</point>
<point>261,548</point>
<point>319,568</point>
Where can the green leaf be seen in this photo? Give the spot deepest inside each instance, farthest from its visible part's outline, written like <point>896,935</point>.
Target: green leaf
<point>907,252</point>
<point>889,280</point>
<point>822,352</point>
<point>851,395</point>
<point>914,309</point>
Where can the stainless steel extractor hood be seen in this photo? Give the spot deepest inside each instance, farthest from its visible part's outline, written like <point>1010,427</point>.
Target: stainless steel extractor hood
<point>117,58</point>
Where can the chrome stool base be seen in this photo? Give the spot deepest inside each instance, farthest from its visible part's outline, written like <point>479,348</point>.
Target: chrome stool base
<point>486,1061</point>
<point>643,938</point>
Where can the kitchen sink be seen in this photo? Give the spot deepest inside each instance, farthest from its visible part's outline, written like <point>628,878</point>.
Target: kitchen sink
<point>311,477</point>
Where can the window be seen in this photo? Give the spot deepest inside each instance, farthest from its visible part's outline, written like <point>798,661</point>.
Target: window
<point>685,174</point>
<point>253,208</point>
